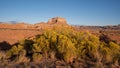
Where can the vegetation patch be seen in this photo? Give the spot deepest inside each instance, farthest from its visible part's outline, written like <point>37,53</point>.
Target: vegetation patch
<point>62,46</point>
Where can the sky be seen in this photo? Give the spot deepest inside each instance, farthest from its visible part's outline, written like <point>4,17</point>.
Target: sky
<point>76,12</point>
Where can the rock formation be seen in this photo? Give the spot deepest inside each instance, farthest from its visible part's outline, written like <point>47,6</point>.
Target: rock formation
<point>57,20</point>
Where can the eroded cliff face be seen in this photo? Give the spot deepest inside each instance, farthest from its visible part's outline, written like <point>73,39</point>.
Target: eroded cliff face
<point>57,20</point>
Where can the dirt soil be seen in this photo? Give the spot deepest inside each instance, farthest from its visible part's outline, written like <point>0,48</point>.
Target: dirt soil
<point>12,33</point>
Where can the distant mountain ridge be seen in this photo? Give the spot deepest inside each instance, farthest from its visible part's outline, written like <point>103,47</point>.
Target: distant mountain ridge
<point>10,22</point>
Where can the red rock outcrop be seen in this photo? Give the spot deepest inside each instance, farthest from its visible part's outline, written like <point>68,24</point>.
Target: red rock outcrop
<point>57,20</point>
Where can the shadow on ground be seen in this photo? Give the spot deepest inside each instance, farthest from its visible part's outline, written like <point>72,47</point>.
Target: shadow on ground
<point>5,45</point>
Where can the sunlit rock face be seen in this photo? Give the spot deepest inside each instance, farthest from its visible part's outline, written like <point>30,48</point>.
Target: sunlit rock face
<point>57,20</point>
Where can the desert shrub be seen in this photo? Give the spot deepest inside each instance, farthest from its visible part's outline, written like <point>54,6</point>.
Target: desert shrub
<point>52,54</point>
<point>36,48</point>
<point>2,55</point>
<point>3,58</point>
<point>115,52</point>
<point>41,45</point>
<point>15,50</point>
<point>36,57</point>
<point>64,43</point>
<point>27,44</point>
<point>45,43</point>
<point>110,53</point>
<point>21,58</point>
<point>17,54</point>
<point>87,44</point>
<point>66,48</point>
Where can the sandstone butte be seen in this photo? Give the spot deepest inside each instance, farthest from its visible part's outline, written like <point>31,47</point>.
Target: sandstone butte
<point>57,20</point>
<point>12,33</point>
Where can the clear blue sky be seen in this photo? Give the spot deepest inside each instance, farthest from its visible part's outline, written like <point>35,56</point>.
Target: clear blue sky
<point>82,12</point>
